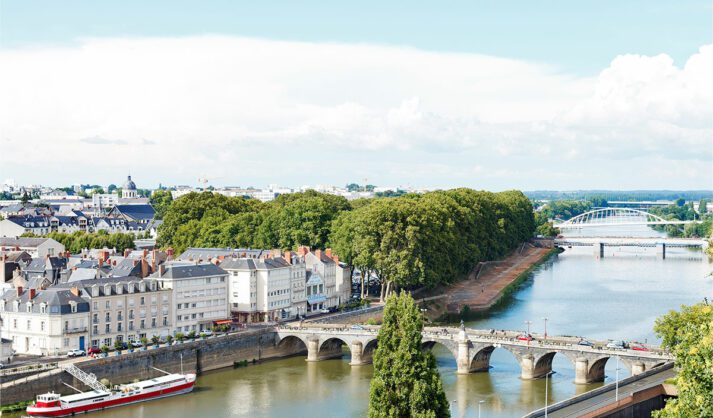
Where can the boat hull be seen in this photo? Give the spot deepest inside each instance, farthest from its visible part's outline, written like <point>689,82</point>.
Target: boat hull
<point>114,401</point>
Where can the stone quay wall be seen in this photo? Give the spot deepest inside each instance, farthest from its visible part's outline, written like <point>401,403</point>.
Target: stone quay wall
<point>197,356</point>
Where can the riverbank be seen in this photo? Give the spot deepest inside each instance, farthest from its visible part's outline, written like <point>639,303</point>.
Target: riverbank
<point>488,285</point>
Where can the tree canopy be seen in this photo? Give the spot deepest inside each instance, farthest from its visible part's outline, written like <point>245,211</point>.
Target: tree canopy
<point>688,334</point>
<point>405,382</point>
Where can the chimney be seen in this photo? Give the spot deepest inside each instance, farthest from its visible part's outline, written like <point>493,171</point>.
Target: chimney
<point>146,252</point>
<point>75,291</point>
<point>328,251</point>
<point>135,262</point>
<point>302,250</point>
<point>144,267</point>
<point>335,258</point>
<point>318,253</point>
<point>19,291</point>
<point>153,260</point>
<point>288,257</point>
<point>101,262</point>
<point>127,252</point>
<point>33,292</point>
<point>161,270</point>
<point>169,253</point>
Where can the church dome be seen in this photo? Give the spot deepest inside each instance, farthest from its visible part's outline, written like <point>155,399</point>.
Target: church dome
<point>129,185</point>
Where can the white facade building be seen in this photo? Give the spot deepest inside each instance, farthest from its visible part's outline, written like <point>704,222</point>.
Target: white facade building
<point>200,294</point>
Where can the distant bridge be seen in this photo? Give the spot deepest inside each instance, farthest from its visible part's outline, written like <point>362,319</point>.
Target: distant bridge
<point>472,349</point>
<point>660,243</point>
<point>616,217</point>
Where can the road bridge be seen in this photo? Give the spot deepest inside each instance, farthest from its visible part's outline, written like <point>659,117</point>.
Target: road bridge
<point>472,349</point>
<point>660,243</point>
<point>616,217</point>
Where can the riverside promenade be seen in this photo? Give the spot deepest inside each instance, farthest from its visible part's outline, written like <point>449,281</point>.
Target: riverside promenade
<point>489,283</point>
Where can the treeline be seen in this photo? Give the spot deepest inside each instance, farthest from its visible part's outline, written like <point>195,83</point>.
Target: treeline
<point>683,211</point>
<point>411,240</point>
<point>621,195</point>
<point>76,241</point>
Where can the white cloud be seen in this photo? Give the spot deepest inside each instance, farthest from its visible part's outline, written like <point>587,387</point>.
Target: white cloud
<point>245,108</point>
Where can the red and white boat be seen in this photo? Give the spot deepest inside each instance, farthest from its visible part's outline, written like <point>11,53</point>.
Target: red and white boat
<point>53,405</point>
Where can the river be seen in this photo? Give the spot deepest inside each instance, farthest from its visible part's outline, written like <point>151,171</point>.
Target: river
<point>616,297</point>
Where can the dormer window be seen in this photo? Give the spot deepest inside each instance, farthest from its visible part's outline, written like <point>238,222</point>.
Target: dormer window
<point>107,289</point>
<point>43,308</point>
<point>119,288</point>
<point>142,287</point>
<point>73,307</point>
<point>29,307</point>
<point>17,306</point>
<point>95,290</point>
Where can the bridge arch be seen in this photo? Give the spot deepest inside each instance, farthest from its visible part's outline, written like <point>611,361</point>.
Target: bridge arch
<point>427,344</point>
<point>292,344</point>
<point>615,216</point>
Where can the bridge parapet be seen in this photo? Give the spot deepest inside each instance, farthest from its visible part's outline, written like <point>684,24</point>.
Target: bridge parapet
<point>472,349</point>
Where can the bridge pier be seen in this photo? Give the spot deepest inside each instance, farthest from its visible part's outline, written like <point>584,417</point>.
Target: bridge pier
<point>463,359</point>
<point>637,367</point>
<point>357,350</point>
<point>313,349</point>
<point>581,371</point>
<point>599,249</point>
<point>661,249</point>
<point>532,369</point>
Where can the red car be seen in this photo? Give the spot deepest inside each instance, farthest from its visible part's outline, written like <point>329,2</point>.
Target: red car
<point>94,350</point>
<point>638,347</point>
<point>525,337</point>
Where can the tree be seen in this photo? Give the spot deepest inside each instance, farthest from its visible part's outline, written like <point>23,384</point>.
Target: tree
<point>703,206</point>
<point>406,382</point>
<point>161,201</point>
<point>25,198</point>
<point>688,335</point>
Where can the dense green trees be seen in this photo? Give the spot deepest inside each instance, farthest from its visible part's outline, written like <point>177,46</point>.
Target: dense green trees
<point>412,240</point>
<point>161,201</point>
<point>79,240</point>
<point>406,382</point>
<point>688,334</point>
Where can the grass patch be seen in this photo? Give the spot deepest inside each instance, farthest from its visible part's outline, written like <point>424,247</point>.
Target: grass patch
<point>14,407</point>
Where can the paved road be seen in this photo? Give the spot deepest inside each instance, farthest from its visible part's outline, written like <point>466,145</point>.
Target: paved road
<point>606,398</point>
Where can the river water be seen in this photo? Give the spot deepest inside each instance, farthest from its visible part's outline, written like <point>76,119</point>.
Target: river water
<point>616,297</point>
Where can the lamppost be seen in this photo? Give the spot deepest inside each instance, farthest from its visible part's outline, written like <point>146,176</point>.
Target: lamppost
<point>547,376</point>
<point>528,331</point>
<point>545,319</point>
<point>616,393</point>
<point>479,404</point>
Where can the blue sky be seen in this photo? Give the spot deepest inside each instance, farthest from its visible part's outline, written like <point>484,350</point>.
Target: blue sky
<point>495,95</point>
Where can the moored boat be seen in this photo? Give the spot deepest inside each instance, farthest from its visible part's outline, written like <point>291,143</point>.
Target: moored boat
<point>54,405</point>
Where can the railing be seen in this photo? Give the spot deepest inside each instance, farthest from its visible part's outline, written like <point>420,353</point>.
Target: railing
<point>28,368</point>
<point>75,330</point>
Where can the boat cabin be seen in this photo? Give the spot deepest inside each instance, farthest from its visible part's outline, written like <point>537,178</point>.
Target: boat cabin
<point>47,400</point>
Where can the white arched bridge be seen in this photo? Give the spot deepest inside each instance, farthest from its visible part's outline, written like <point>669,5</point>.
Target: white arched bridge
<point>472,349</point>
<point>616,217</point>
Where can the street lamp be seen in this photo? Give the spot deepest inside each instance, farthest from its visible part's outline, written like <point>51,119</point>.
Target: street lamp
<point>545,319</point>
<point>547,376</point>
<point>480,403</point>
<point>616,393</point>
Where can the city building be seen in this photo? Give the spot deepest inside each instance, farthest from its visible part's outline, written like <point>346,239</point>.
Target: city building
<point>36,247</point>
<point>44,321</point>
<point>200,294</point>
<point>126,309</point>
<point>321,262</point>
<point>129,190</point>
<point>261,289</point>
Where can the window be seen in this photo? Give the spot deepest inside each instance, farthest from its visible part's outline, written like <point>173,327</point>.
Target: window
<point>66,342</point>
<point>165,321</point>
<point>108,304</point>
<point>73,307</point>
<point>131,325</point>
<point>43,308</point>
<point>118,327</point>
<point>178,306</point>
<point>29,307</point>
<point>95,330</point>
<point>153,322</point>
<point>143,324</point>
<point>107,328</point>
<point>96,306</point>
<point>42,326</point>
<point>142,300</point>
<point>107,317</point>
<point>29,324</point>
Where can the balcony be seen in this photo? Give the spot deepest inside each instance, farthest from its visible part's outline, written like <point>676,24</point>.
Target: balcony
<point>75,330</point>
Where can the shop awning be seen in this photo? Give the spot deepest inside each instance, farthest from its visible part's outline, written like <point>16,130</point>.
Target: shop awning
<point>223,322</point>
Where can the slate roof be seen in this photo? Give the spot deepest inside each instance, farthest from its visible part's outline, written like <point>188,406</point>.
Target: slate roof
<point>22,242</point>
<point>56,298</point>
<point>125,268</point>
<point>136,212</point>
<point>254,263</point>
<point>87,284</point>
<point>183,271</point>
<point>210,253</point>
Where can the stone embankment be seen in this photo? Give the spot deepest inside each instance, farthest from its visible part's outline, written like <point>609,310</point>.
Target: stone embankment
<point>191,357</point>
<point>491,281</point>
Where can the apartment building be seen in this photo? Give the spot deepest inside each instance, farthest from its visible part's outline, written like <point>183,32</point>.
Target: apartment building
<point>125,309</point>
<point>266,289</point>
<point>335,275</point>
<point>199,294</point>
<point>44,321</point>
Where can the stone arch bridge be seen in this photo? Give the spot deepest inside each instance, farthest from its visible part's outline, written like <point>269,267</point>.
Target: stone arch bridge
<point>472,349</point>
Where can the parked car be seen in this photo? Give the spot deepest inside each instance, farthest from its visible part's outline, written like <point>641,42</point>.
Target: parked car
<point>585,342</point>
<point>525,337</point>
<point>324,310</point>
<point>616,344</point>
<point>136,344</point>
<point>1,365</point>
<point>638,347</point>
<point>123,345</point>
<point>357,327</point>
<point>76,353</point>
<point>207,333</point>
<point>94,350</point>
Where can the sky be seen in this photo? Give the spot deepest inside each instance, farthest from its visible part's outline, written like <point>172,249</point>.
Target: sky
<point>493,95</point>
